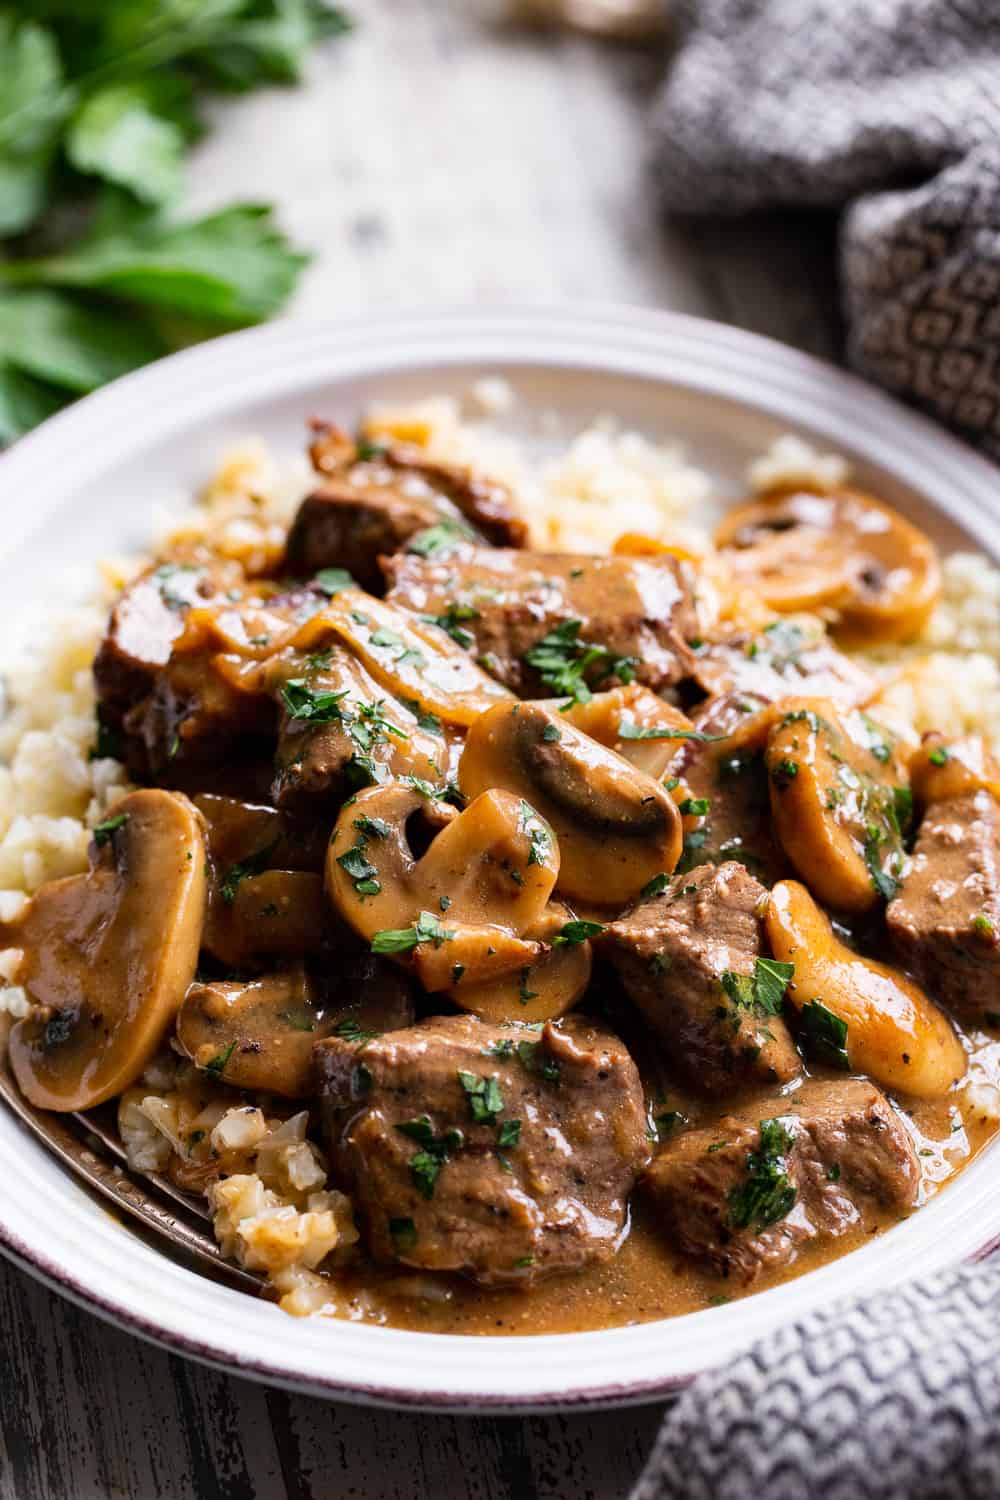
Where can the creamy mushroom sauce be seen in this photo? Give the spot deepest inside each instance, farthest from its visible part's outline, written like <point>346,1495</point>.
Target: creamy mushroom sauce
<point>538,792</point>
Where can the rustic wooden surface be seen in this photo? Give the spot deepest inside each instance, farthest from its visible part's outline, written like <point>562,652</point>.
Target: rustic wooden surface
<point>429,158</point>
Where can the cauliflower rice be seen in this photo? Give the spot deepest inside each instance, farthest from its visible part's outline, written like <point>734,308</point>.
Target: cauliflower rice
<point>273,1211</point>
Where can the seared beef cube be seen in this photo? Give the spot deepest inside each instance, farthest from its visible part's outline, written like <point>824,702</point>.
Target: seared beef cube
<point>498,1151</point>
<point>378,496</point>
<point>733,790</point>
<point>195,717</point>
<point>945,921</point>
<point>791,656</point>
<point>340,525</point>
<point>146,620</point>
<point>688,958</point>
<point>486,503</point>
<point>502,604</point>
<point>747,1193</point>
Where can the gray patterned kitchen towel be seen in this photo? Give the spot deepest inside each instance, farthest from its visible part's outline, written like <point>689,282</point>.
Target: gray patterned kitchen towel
<point>894,1398</point>
<point>891,110</point>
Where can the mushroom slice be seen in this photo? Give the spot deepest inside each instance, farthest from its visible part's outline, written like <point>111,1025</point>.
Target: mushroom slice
<point>109,955</point>
<point>417,662</point>
<point>840,800</point>
<point>257,1034</point>
<point>617,828</point>
<point>942,769</point>
<point>485,877</point>
<point>541,990</point>
<point>894,1033</point>
<point>843,552</point>
<point>628,720</point>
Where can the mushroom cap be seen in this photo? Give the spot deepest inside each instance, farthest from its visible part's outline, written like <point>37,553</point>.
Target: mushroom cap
<point>108,955</point>
<point>617,827</point>
<point>842,551</point>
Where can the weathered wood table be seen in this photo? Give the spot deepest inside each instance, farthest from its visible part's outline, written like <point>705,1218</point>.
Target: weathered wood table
<point>428,159</point>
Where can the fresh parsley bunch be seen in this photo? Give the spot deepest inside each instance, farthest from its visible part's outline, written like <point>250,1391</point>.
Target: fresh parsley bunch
<point>98,105</point>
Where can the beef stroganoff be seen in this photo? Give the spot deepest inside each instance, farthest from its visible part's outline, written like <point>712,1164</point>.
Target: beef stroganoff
<point>512,907</point>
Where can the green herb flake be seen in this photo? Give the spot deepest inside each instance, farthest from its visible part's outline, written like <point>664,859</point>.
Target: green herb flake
<point>246,869</point>
<point>784,772</point>
<point>767,1194</point>
<point>436,541</point>
<point>333,581</point>
<point>451,623</point>
<point>307,706</point>
<point>761,992</point>
<point>823,1036</point>
<point>551,734</point>
<point>484,1096</point>
<point>404,939</point>
<point>654,887</point>
<point>983,925</point>
<point>939,756</point>
<point>350,1030</point>
<point>216,1065</point>
<point>627,730</point>
<point>102,833</point>
<point>509,1134</point>
<point>695,807</point>
<point>577,932</point>
<point>882,880</point>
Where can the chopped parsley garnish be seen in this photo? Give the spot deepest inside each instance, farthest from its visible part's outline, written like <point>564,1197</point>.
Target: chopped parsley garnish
<point>533,1057</point>
<point>350,1030</point>
<point>537,832</point>
<point>768,1193</point>
<point>577,932</point>
<point>103,832</point>
<point>784,772</point>
<point>427,929</point>
<point>823,1036</point>
<point>366,451</point>
<point>425,1166</point>
<point>551,734</point>
<point>484,1096</point>
<point>524,1260</point>
<point>450,792</point>
<point>435,541</point>
<point>426,721</point>
<point>762,991</point>
<point>882,880</point>
<point>561,659</point>
<point>451,623</point>
<point>695,807</point>
<point>939,756</point>
<point>879,743</point>
<point>216,1065</point>
<point>654,887</point>
<point>304,703</point>
<point>671,783</point>
<point>509,1134</point>
<point>374,828</point>
<point>333,581</point>
<point>403,1233</point>
<point>358,866</point>
<point>254,864</point>
<point>502,1048</point>
<point>983,924</point>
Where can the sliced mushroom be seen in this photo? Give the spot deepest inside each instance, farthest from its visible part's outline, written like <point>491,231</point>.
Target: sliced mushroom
<point>842,552</point>
<point>541,990</point>
<point>628,720</point>
<point>895,1034</point>
<point>486,877</point>
<point>108,955</point>
<point>617,828</point>
<point>417,662</point>
<point>256,1034</point>
<point>941,769</point>
<point>840,800</point>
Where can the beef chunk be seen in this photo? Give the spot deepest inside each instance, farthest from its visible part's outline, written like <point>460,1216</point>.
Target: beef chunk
<point>147,619</point>
<point>737,822</point>
<point>791,656</point>
<point>688,959</point>
<point>945,922</point>
<point>638,610</point>
<point>375,497</point>
<point>503,1153</point>
<point>747,1194</point>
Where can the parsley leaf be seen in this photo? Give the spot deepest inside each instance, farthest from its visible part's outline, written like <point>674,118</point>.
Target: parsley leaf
<point>254,864</point>
<point>767,1194</point>
<point>333,581</point>
<point>404,939</point>
<point>102,832</point>
<point>425,1166</point>
<point>484,1096</point>
<point>561,659</point>
<point>576,932</point>
<point>627,730</point>
<point>762,991</point>
<point>216,1065</point>
<point>824,1036</point>
<point>310,706</point>
<point>450,622</point>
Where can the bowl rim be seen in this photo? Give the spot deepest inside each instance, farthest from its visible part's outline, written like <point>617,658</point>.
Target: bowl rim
<point>602,1368</point>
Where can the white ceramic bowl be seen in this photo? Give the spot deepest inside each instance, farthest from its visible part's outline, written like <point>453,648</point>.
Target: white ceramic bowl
<point>87,483</point>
